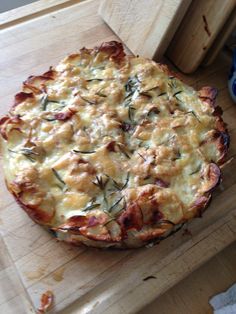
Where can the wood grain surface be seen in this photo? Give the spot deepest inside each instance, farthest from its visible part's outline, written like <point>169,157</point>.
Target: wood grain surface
<point>192,294</point>
<point>90,280</point>
<point>32,10</point>
<point>146,27</point>
<point>197,32</point>
<point>220,41</point>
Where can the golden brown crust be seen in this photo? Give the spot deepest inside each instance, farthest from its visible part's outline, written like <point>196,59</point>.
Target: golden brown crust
<point>113,150</point>
<point>113,49</point>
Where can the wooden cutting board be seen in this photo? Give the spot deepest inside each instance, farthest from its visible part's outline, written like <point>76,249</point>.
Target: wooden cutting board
<point>87,280</point>
<point>145,27</point>
<point>198,31</point>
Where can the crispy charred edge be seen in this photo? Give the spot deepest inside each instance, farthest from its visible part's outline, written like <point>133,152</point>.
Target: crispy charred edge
<point>34,212</point>
<point>80,225</point>
<point>165,69</point>
<point>4,121</point>
<point>47,76</point>
<point>222,141</point>
<point>208,95</point>
<point>198,207</point>
<point>213,177</point>
<point>64,116</point>
<point>113,49</point>
<point>29,85</point>
<point>131,218</point>
<point>31,80</point>
<point>22,96</point>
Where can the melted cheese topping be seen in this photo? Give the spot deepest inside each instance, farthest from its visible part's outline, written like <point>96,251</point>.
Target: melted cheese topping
<point>102,135</point>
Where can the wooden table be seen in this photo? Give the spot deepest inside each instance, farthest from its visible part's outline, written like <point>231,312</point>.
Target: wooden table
<point>210,235</point>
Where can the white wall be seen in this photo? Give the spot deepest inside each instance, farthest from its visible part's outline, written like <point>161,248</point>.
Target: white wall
<point>6,5</point>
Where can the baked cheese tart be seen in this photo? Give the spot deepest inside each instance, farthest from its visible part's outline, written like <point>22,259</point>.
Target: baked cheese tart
<point>111,150</point>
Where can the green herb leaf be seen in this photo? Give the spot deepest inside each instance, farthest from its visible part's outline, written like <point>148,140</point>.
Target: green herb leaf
<point>145,94</point>
<point>44,102</point>
<point>119,186</point>
<point>54,101</point>
<point>27,152</point>
<point>132,84</point>
<point>122,150</point>
<point>83,151</point>
<point>174,95</point>
<point>94,79</point>
<point>194,114</point>
<point>196,171</point>
<point>101,94</point>
<point>162,94</point>
<point>58,176</point>
<point>141,156</point>
<point>90,207</point>
<point>100,182</point>
<point>115,204</point>
<point>126,181</point>
<point>107,223</point>
<point>172,82</point>
<point>86,100</point>
<point>49,119</point>
<point>131,113</point>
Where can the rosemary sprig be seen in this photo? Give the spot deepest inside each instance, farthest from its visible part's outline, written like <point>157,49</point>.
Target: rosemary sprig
<point>126,181</point>
<point>90,207</point>
<point>174,95</point>
<point>99,93</point>
<point>27,152</point>
<point>120,187</point>
<point>54,101</point>
<point>141,156</point>
<point>50,119</point>
<point>107,223</point>
<point>154,110</point>
<point>86,100</point>
<point>116,185</point>
<point>131,110</point>
<point>172,82</point>
<point>100,182</point>
<point>162,94</point>
<point>58,176</point>
<point>83,151</point>
<point>195,171</point>
<point>94,79</point>
<point>194,114</point>
<point>132,84</point>
<point>122,150</point>
<point>44,102</point>
<point>115,204</point>
<point>145,94</point>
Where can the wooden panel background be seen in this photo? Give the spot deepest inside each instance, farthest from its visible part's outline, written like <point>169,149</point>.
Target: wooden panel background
<point>91,280</point>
